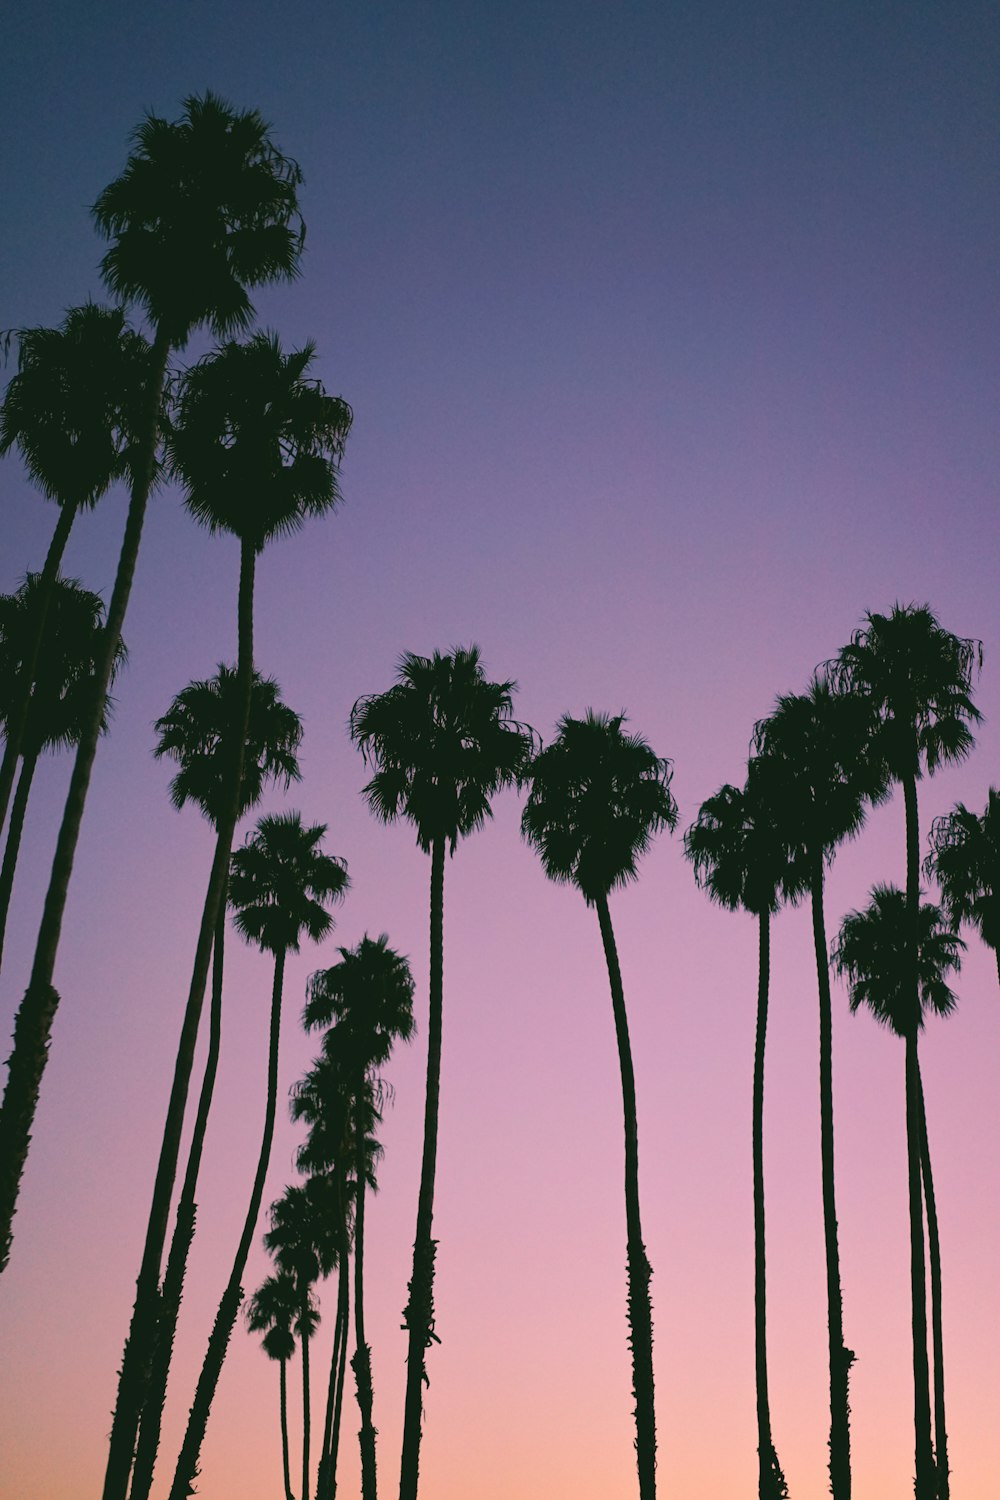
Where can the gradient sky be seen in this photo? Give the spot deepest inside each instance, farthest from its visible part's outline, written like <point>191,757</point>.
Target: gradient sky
<point>671,334</point>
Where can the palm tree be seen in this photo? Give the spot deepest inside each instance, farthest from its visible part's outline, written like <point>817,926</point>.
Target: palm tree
<point>369,996</point>
<point>915,678</point>
<point>205,209</point>
<point>279,885</point>
<point>736,848</point>
<point>873,954</point>
<point>272,1310</point>
<point>965,862</point>
<point>60,690</point>
<point>817,744</point>
<point>442,741</point>
<point>197,732</point>
<point>597,797</point>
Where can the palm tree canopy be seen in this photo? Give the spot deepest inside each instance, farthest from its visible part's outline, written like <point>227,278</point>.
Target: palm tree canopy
<point>206,207</point>
<point>303,1237</point>
<point>442,741</point>
<point>64,676</point>
<point>74,407</point>
<point>736,847</point>
<point>196,732</point>
<point>256,444</point>
<point>280,880</point>
<point>597,796</point>
<point>274,1307</point>
<point>965,860</point>
<point>871,952</point>
<point>327,1099</point>
<point>917,678</point>
<point>369,995</point>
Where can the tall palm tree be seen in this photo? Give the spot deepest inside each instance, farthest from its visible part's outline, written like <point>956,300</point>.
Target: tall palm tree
<point>915,678</point>
<point>205,209</point>
<point>817,745</point>
<point>197,732</point>
<point>60,690</point>
<point>369,997</point>
<point>441,741</point>
<point>873,953</point>
<point>279,886</point>
<point>964,859</point>
<point>740,859</point>
<point>597,797</point>
<point>272,1310</point>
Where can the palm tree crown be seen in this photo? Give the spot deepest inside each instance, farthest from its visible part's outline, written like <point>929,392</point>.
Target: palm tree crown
<point>965,861</point>
<point>272,1310</point>
<point>368,994</point>
<point>871,953</point>
<point>736,846</point>
<point>279,881</point>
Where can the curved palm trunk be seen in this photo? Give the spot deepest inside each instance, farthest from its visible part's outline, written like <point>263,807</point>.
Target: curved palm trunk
<point>771,1483</point>
<point>418,1315</point>
<point>13,845</point>
<point>841,1358</point>
<point>338,1406</point>
<point>33,1025</point>
<point>326,1479</point>
<point>640,1312</point>
<point>285,1470</point>
<point>173,1281</point>
<point>937,1335</point>
<point>306,1407</point>
<point>18,716</point>
<point>361,1363</point>
<point>229,1305</point>
<point>134,1376</point>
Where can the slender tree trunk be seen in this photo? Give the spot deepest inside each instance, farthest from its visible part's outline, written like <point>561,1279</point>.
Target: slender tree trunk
<point>135,1368</point>
<point>937,1335</point>
<point>306,1408</point>
<point>640,1312</point>
<point>33,1025</point>
<point>18,715</point>
<point>285,1470</point>
<point>338,1405</point>
<point>841,1358</point>
<point>361,1363</point>
<point>771,1480</point>
<point>10,853</point>
<point>229,1306</point>
<point>418,1315</point>
<point>173,1281</point>
<point>326,1479</point>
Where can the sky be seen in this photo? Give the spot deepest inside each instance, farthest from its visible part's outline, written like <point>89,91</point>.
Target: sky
<point>671,336</point>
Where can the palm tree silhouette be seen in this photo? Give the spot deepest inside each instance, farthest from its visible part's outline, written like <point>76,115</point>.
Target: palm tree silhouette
<point>442,741</point>
<point>60,691</point>
<point>205,208</point>
<point>369,997</point>
<point>272,1310</point>
<point>915,678</point>
<point>964,859</point>
<point>873,953</point>
<point>197,732</point>
<point>739,858</point>
<point>279,885</point>
<point>817,744</point>
<point>597,796</point>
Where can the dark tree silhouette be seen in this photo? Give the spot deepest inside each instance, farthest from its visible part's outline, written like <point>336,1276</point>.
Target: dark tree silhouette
<point>964,859</point>
<point>272,1310</point>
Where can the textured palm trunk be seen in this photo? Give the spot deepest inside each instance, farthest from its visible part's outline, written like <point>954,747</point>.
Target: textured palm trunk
<point>18,809</point>
<point>229,1305</point>
<point>338,1406</point>
<point>326,1479</point>
<point>133,1380</point>
<point>306,1407</point>
<point>33,1025</point>
<point>17,718</point>
<point>418,1315</point>
<point>937,1333</point>
<point>286,1472</point>
<point>841,1358</point>
<point>173,1281</point>
<point>640,1311</point>
<point>771,1480</point>
<point>361,1363</point>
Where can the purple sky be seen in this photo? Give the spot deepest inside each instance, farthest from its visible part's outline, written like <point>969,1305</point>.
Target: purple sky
<point>671,334</point>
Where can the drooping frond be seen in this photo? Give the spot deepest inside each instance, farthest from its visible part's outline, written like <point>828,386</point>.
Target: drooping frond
<point>736,847</point>
<point>871,953</point>
<point>280,882</point>
<point>964,859</point>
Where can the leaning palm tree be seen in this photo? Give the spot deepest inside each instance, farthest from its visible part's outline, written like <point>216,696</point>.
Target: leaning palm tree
<point>915,678</point>
<point>272,1310</point>
<point>441,741</point>
<point>873,953</point>
<point>964,859</point>
<point>197,733</point>
<point>740,859</point>
<point>205,209</point>
<point>597,797</point>
<point>279,886</point>
<point>817,747</point>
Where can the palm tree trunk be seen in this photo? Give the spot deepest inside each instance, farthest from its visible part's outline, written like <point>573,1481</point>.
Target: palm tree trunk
<point>135,1367</point>
<point>841,1358</point>
<point>306,1406</point>
<point>418,1315</point>
<point>326,1479</point>
<point>937,1336</point>
<point>173,1281</point>
<point>285,1470</point>
<point>361,1363</point>
<point>33,1025</point>
<point>771,1480</point>
<point>640,1312</point>
<point>229,1305</point>
<point>338,1406</point>
<point>18,715</point>
<point>13,845</point>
